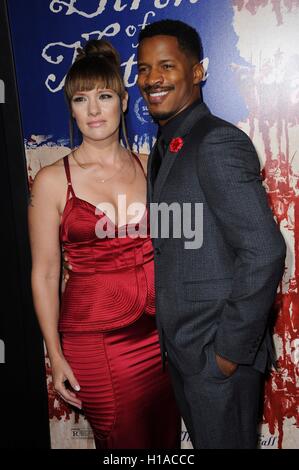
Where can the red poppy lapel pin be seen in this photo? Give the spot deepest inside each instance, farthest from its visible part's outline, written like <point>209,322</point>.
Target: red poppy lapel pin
<point>176,144</point>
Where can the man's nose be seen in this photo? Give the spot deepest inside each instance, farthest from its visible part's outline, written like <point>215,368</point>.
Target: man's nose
<point>154,77</point>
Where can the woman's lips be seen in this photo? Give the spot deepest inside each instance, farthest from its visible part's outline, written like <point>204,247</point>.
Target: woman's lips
<point>95,123</point>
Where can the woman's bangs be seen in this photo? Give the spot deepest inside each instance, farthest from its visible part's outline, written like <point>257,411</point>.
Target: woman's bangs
<point>88,82</point>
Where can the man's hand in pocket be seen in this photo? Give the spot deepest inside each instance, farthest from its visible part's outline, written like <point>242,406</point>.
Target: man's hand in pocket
<point>227,367</point>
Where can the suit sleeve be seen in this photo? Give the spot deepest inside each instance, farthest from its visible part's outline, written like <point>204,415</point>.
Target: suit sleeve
<point>229,173</point>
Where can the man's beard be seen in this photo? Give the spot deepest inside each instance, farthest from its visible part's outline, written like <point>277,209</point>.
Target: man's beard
<point>162,116</point>
<point>159,116</point>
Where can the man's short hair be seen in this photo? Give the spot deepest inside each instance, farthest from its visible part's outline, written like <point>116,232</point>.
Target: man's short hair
<point>188,38</point>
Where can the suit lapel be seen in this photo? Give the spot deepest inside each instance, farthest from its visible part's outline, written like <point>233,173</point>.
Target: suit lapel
<point>149,173</point>
<point>170,157</point>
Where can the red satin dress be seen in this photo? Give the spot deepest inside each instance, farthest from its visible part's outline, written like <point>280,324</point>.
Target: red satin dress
<point>108,330</point>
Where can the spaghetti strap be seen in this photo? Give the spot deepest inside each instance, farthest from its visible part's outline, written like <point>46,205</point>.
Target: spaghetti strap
<point>70,189</point>
<point>139,162</point>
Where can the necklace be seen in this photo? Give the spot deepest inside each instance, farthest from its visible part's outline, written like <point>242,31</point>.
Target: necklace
<point>100,179</point>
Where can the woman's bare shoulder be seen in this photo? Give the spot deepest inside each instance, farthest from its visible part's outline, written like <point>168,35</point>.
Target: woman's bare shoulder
<point>52,175</point>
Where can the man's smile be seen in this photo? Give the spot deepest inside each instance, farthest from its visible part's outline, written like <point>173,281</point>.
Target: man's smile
<point>156,96</point>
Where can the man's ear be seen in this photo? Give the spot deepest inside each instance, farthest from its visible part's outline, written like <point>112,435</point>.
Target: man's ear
<point>124,102</point>
<point>198,73</point>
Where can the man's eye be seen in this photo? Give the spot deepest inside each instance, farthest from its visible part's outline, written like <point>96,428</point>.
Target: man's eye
<point>167,66</point>
<point>141,69</point>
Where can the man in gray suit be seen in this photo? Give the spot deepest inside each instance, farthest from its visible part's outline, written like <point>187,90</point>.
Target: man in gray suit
<point>213,301</point>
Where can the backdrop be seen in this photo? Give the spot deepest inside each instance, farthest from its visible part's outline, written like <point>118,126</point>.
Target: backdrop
<point>252,79</point>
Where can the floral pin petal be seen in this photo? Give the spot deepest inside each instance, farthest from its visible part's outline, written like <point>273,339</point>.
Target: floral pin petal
<point>176,144</point>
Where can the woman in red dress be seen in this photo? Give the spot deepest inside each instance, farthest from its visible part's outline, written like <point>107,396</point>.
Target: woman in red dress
<point>101,339</point>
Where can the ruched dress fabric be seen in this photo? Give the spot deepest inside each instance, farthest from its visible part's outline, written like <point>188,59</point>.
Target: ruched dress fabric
<point>108,330</point>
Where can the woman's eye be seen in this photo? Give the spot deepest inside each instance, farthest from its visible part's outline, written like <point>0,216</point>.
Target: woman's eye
<point>105,96</point>
<point>78,99</point>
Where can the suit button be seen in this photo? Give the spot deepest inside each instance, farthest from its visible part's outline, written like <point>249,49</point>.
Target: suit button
<point>157,251</point>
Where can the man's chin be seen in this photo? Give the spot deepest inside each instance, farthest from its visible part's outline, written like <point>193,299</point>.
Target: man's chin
<point>161,116</point>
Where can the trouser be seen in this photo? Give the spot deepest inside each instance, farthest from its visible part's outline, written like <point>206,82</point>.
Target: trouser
<point>219,412</point>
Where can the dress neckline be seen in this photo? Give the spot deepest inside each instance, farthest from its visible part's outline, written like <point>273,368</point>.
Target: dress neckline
<point>72,195</point>
<point>91,205</point>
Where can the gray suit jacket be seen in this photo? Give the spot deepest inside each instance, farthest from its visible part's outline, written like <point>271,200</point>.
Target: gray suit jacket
<point>221,292</point>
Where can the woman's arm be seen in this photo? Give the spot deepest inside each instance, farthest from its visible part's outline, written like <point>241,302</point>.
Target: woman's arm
<point>44,220</point>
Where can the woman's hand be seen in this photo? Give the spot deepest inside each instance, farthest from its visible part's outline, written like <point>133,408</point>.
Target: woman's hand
<point>61,373</point>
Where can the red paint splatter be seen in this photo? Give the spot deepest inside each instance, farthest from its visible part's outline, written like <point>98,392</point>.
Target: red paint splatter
<point>254,5</point>
<point>273,103</point>
<point>281,394</point>
<point>58,408</point>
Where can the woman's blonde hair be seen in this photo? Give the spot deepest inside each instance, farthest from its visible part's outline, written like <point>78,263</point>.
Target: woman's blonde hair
<point>97,65</point>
